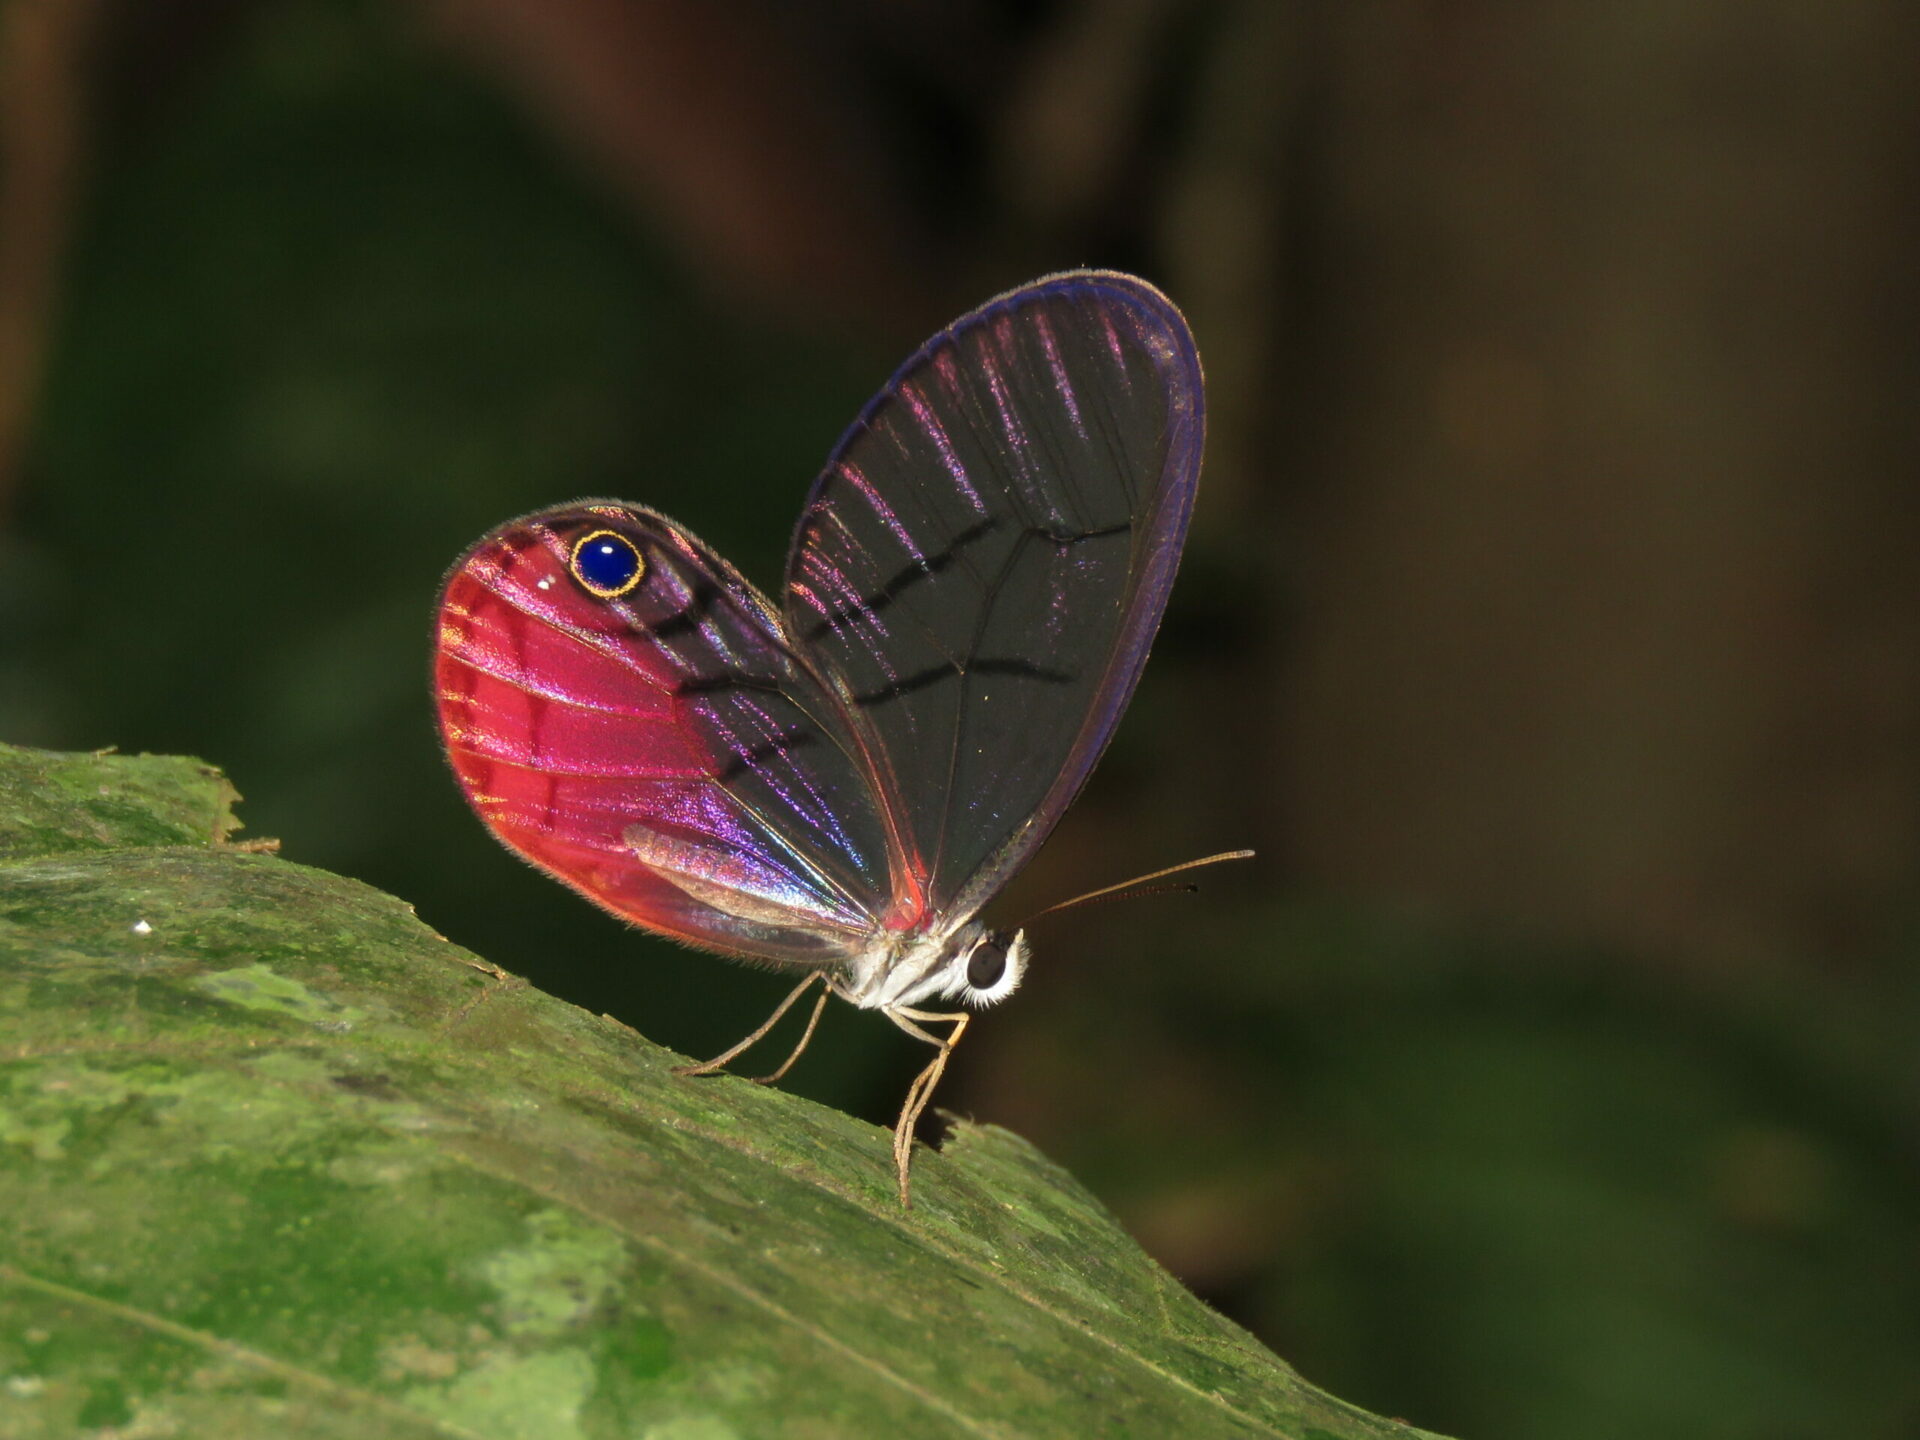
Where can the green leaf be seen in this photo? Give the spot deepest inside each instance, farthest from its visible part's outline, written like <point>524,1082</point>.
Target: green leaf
<point>275,1157</point>
<point>54,804</point>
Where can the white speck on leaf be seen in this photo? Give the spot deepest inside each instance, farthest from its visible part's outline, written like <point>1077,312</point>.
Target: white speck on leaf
<point>141,927</point>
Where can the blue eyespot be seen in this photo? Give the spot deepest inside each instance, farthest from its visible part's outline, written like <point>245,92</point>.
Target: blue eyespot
<point>606,564</point>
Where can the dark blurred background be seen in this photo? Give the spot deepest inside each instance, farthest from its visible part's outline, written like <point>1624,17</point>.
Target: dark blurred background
<point>1550,620</point>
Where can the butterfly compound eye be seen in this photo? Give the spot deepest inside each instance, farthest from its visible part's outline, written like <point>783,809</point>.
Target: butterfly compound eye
<point>987,963</point>
<point>606,564</point>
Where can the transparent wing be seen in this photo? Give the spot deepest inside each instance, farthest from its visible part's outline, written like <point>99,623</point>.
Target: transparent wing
<point>981,567</point>
<point>660,751</point>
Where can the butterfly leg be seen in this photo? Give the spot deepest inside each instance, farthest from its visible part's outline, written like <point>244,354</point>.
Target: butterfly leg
<point>721,1061</point>
<point>921,1091</point>
<point>806,1035</point>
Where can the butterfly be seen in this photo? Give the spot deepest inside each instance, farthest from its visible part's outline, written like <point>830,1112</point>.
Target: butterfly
<point>836,782</point>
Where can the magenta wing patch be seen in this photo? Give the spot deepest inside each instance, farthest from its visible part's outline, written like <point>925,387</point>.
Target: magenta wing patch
<point>654,749</point>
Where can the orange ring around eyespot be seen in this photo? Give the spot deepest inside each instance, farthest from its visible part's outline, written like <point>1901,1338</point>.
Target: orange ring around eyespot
<point>606,592</point>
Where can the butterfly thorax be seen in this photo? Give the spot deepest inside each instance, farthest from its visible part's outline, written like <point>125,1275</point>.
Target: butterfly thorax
<point>969,963</point>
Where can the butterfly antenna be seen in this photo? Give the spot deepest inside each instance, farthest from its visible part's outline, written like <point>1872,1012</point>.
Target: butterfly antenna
<point>1112,892</point>
<point>1184,889</point>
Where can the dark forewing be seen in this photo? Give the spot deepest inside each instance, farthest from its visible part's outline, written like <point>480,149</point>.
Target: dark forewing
<point>661,751</point>
<point>983,563</point>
